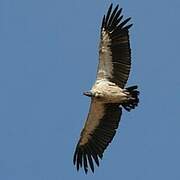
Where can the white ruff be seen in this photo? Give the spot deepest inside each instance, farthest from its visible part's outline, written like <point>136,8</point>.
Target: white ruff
<point>109,92</point>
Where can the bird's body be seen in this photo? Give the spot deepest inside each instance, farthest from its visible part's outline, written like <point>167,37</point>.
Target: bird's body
<point>108,94</point>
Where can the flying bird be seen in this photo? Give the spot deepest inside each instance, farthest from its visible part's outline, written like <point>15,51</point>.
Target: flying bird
<point>108,94</point>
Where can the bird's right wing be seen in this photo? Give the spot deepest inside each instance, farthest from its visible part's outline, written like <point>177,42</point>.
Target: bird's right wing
<point>98,132</point>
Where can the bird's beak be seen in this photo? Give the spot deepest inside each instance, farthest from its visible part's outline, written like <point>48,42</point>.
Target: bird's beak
<point>89,94</point>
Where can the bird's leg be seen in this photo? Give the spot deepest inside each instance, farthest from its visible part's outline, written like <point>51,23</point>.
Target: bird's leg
<point>125,91</point>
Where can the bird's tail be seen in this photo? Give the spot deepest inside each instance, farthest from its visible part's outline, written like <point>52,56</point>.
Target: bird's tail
<point>133,99</point>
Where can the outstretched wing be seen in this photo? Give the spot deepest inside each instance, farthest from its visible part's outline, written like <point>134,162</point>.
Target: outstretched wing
<point>114,50</point>
<point>98,132</point>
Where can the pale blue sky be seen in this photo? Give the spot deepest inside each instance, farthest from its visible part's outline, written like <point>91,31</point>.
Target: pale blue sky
<point>48,57</point>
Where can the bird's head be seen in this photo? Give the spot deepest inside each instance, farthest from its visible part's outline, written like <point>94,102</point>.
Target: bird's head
<point>88,93</point>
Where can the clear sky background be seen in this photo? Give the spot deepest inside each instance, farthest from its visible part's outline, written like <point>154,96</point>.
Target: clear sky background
<point>48,57</point>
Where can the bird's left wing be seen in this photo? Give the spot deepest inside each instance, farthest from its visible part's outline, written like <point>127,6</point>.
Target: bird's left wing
<point>114,50</point>
<point>98,132</point>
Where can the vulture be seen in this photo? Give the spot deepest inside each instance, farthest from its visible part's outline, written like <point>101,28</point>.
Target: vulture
<point>108,94</point>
